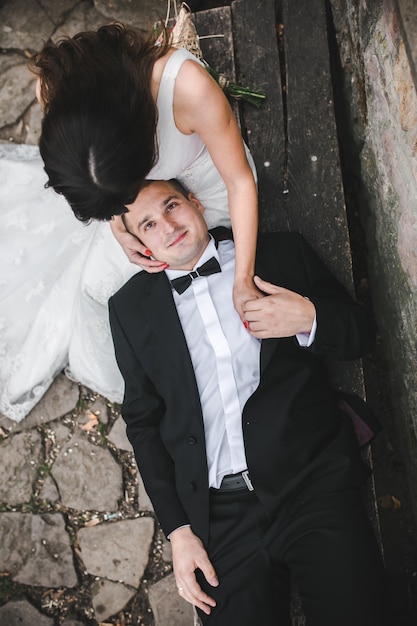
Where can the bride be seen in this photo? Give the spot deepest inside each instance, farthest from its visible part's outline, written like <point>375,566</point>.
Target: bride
<point>117,109</point>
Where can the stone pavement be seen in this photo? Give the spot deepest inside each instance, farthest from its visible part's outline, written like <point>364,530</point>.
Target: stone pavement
<point>80,544</point>
<point>79,540</point>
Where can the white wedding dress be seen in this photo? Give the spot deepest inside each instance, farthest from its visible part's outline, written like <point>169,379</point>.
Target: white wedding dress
<point>57,274</point>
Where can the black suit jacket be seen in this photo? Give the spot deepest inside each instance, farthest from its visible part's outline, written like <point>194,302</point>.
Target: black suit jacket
<point>297,443</point>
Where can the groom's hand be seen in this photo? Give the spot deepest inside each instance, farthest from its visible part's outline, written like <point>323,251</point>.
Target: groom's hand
<point>188,554</point>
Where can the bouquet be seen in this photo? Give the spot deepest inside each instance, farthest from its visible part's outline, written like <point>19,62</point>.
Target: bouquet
<point>184,35</point>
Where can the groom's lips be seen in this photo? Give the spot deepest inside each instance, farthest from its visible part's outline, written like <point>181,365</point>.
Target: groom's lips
<point>178,239</point>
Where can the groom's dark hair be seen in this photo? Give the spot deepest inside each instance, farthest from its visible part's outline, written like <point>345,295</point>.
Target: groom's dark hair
<point>174,182</point>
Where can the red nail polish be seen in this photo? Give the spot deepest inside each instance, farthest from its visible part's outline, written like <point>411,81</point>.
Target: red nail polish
<point>148,253</point>
<point>246,325</point>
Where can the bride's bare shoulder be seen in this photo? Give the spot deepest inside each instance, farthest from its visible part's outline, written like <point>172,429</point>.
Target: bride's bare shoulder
<point>158,70</point>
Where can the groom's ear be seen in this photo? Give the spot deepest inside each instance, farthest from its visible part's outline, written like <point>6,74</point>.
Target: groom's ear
<point>192,198</point>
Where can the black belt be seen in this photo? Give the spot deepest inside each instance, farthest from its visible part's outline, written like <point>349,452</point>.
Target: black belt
<point>236,482</point>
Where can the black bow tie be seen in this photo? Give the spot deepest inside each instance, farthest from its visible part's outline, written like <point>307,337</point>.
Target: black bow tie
<point>183,282</point>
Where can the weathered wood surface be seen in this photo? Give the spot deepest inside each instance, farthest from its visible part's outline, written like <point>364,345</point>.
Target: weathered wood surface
<point>257,66</point>
<point>314,200</point>
<point>214,28</point>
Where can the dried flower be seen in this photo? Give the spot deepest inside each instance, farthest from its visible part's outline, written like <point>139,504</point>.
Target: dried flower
<point>184,35</point>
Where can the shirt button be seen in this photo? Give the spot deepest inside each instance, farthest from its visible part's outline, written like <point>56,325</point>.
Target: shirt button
<point>193,486</point>
<point>192,440</point>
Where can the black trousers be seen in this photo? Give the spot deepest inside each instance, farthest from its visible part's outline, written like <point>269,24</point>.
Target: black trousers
<point>325,543</point>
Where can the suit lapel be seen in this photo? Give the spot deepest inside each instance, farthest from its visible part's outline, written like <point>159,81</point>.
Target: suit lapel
<point>161,314</point>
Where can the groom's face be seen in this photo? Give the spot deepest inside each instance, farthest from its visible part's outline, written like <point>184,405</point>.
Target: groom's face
<point>169,224</point>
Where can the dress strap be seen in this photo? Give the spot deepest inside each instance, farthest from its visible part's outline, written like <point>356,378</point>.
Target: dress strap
<point>175,61</point>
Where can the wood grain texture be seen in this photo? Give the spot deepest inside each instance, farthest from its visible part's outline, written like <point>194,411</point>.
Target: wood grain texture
<point>214,28</point>
<point>257,66</point>
<point>314,198</point>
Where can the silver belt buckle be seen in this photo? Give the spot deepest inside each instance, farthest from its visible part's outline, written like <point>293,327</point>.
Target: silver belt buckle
<point>245,476</point>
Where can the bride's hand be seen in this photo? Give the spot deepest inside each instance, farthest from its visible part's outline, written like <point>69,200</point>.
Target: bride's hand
<point>133,248</point>
<point>242,292</point>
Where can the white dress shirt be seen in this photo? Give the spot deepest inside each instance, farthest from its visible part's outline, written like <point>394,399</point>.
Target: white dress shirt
<point>225,357</point>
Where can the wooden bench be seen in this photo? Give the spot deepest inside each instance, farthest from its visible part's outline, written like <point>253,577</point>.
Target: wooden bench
<point>282,49</point>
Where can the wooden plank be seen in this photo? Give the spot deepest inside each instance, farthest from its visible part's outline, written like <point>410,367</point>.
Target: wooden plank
<point>257,67</point>
<point>314,198</point>
<point>214,28</point>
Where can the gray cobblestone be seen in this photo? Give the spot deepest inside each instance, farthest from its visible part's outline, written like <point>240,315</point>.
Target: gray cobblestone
<point>22,613</point>
<point>109,598</point>
<point>18,465</point>
<point>36,549</point>
<point>106,550</point>
<point>88,476</point>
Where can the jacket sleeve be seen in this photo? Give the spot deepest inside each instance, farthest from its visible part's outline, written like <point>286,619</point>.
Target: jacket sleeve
<point>345,329</point>
<point>142,411</point>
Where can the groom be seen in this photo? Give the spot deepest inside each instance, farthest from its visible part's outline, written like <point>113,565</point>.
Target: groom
<point>252,471</point>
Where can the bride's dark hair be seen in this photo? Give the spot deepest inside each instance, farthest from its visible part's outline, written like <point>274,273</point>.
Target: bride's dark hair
<point>98,139</point>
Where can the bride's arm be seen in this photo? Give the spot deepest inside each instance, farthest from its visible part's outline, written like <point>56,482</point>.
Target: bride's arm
<point>200,106</point>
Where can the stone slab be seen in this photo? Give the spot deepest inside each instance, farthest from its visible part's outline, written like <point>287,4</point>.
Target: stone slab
<point>109,598</point>
<point>49,491</point>
<point>17,92</point>
<point>88,477</point>
<point>139,13</point>
<point>22,613</point>
<point>408,19</point>
<point>36,550</point>
<point>62,433</point>
<point>33,125</point>
<point>167,606</point>
<point>117,551</point>
<point>23,25</point>
<point>19,460</point>
<point>83,17</point>
<point>56,10</point>
<point>11,59</point>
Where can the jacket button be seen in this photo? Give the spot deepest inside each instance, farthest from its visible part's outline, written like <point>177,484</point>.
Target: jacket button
<point>192,440</point>
<point>193,486</point>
